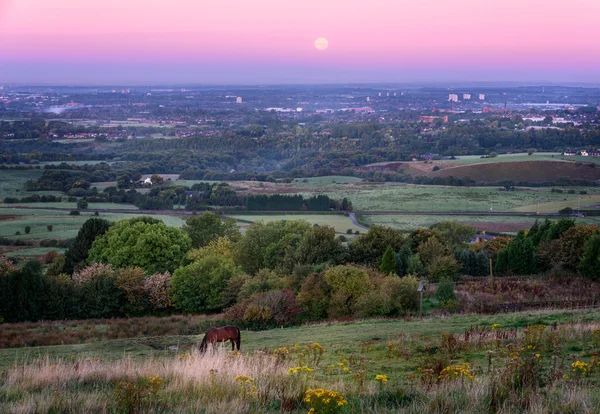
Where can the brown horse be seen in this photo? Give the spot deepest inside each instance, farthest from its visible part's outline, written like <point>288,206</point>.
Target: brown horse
<point>222,334</point>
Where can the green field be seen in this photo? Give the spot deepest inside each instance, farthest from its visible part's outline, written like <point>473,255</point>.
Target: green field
<point>64,225</point>
<point>12,183</point>
<point>329,179</point>
<point>37,251</point>
<point>73,205</point>
<point>339,222</point>
<point>409,197</point>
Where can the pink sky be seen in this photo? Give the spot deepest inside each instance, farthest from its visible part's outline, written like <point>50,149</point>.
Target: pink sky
<point>558,40</point>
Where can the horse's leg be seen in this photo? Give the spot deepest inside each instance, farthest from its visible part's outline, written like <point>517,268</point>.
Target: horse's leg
<point>232,344</point>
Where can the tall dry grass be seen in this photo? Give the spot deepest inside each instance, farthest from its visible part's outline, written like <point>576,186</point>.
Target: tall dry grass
<point>192,383</point>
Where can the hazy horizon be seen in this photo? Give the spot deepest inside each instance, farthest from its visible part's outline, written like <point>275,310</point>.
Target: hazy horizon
<point>135,42</point>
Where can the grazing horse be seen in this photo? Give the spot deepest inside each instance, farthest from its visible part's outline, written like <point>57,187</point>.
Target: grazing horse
<point>222,334</point>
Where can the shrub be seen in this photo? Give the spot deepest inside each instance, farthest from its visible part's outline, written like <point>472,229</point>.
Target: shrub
<point>406,294</point>
<point>49,227</point>
<point>49,257</point>
<point>91,272</point>
<point>131,282</point>
<point>157,288</point>
<point>74,213</point>
<point>266,309</point>
<point>348,284</point>
<point>27,229</point>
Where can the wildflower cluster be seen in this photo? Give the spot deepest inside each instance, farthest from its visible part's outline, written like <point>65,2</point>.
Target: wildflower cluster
<point>496,326</point>
<point>134,396</point>
<point>382,379</point>
<point>247,387</point>
<point>324,401</point>
<point>300,370</point>
<point>454,372</point>
<point>581,368</point>
<point>281,353</point>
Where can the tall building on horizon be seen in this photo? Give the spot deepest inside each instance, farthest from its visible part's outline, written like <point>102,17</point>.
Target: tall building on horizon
<point>481,97</point>
<point>466,96</point>
<point>238,100</point>
<point>453,97</point>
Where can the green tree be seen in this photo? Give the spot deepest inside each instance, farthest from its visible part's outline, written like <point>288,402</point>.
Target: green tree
<point>590,259</point>
<point>27,229</point>
<point>402,258</point>
<point>369,248</point>
<point>208,227</point>
<point>49,227</point>
<point>78,251</point>
<point>316,246</point>
<point>453,233</point>
<point>155,247</point>
<point>388,263</point>
<point>521,255</point>
<point>265,245</point>
<point>82,204</point>
<point>444,267</point>
<point>199,286</point>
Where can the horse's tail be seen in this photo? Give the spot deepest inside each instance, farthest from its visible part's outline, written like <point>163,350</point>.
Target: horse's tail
<point>203,343</point>
<point>239,338</point>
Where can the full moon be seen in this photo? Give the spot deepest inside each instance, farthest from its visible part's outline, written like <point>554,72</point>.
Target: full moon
<point>321,43</point>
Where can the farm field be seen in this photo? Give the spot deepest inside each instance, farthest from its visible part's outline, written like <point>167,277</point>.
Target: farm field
<point>344,357</point>
<point>64,225</point>
<point>36,251</point>
<point>504,224</point>
<point>339,222</point>
<point>409,197</point>
<point>73,205</point>
<point>12,183</point>
<point>329,179</point>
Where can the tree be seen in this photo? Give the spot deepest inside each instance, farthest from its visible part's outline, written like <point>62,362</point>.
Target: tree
<point>199,286</point>
<point>265,245</point>
<point>123,181</point>
<point>388,263</point>
<point>369,248</point>
<point>78,251</point>
<point>402,259</point>
<point>590,259</point>
<point>444,267</point>
<point>27,229</point>
<point>157,179</point>
<point>209,226</point>
<point>82,204</point>
<point>155,247</point>
<point>318,245</point>
<point>453,233</point>
<point>49,227</point>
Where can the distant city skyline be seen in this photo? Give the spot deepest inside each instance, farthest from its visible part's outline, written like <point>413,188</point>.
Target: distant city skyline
<point>104,42</point>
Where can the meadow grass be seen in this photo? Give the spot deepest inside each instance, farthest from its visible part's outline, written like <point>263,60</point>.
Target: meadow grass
<point>522,362</point>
